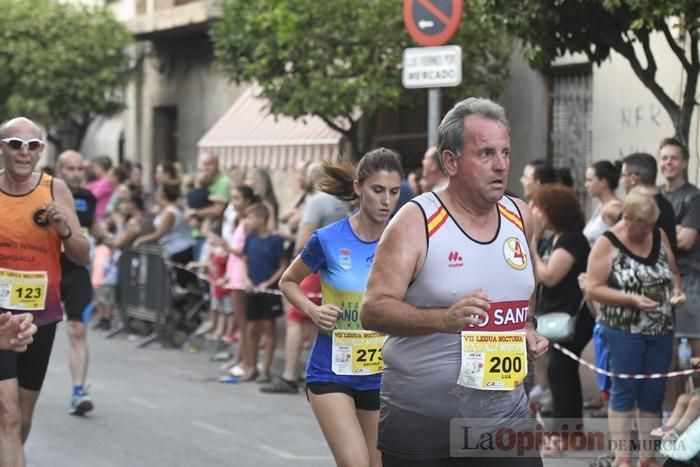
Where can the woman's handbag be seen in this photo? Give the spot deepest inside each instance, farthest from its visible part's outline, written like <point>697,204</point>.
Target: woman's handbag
<point>559,326</point>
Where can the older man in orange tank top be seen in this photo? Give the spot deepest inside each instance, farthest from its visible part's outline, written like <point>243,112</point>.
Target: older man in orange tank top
<point>37,220</point>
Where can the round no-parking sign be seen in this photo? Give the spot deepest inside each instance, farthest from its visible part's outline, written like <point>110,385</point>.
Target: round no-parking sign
<point>432,22</point>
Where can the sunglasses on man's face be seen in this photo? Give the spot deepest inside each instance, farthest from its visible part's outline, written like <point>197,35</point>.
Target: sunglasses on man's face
<point>17,143</point>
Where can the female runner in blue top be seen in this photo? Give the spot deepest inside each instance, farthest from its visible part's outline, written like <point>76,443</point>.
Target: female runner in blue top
<point>344,369</point>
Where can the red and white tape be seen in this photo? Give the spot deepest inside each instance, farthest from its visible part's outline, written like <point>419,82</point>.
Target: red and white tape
<point>671,374</point>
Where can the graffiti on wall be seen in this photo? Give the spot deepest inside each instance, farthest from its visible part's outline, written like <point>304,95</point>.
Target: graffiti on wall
<point>641,125</point>
<point>641,116</point>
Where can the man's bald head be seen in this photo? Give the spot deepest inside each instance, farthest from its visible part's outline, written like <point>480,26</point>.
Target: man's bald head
<point>69,156</point>
<point>209,166</point>
<point>21,160</point>
<point>69,167</point>
<point>22,124</point>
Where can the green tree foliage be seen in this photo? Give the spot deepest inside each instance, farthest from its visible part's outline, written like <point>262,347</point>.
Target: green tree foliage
<point>341,59</point>
<point>62,64</point>
<point>551,28</point>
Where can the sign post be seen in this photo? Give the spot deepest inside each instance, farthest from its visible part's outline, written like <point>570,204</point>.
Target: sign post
<point>431,23</point>
<point>434,98</point>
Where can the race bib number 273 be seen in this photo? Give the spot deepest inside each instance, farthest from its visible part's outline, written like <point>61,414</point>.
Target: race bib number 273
<point>357,352</point>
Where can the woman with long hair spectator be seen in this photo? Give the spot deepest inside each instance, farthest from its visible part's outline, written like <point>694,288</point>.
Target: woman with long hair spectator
<point>557,208</point>
<point>131,220</point>
<point>102,187</point>
<point>259,180</point>
<point>136,175</point>
<point>632,275</point>
<point>291,218</point>
<point>167,173</point>
<point>172,233</point>
<point>345,403</point>
<point>602,178</point>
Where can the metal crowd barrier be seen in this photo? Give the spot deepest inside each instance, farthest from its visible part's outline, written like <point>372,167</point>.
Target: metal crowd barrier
<point>143,290</point>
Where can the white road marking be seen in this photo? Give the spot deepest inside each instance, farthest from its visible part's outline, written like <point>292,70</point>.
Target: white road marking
<point>291,456</point>
<point>212,428</point>
<point>142,402</point>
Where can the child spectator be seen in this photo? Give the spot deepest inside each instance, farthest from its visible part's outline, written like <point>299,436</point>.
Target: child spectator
<point>265,263</point>
<point>242,197</point>
<point>221,304</point>
<point>686,411</point>
<point>104,281</point>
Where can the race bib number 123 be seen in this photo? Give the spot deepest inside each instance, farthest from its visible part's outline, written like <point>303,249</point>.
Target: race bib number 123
<point>23,290</point>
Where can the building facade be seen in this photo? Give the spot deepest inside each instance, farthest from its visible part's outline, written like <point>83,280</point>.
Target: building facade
<point>573,114</point>
<point>577,112</point>
<point>176,94</point>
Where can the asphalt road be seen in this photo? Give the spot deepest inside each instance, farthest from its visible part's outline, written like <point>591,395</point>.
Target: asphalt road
<point>164,407</point>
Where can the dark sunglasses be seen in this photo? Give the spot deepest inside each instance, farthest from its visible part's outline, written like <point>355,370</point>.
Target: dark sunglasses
<point>17,143</point>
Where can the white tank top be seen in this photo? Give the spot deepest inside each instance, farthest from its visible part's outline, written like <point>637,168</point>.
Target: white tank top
<point>597,226</point>
<point>419,384</point>
<point>178,238</point>
<point>501,268</point>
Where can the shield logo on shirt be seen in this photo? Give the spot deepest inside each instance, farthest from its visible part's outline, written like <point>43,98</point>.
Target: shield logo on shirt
<point>344,259</point>
<point>514,253</point>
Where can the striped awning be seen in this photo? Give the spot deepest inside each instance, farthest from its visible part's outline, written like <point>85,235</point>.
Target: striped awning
<point>249,136</point>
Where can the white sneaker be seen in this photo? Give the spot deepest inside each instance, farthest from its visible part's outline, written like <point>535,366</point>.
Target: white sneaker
<point>540,397</point>
<point>535,393</point>
<point>237,371</point>
<point>204,328</point>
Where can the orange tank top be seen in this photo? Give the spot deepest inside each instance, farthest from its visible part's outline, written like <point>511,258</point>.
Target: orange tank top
<point>30,250</point>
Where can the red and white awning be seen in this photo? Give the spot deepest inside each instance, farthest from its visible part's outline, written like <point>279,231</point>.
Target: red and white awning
<point>249,136</point>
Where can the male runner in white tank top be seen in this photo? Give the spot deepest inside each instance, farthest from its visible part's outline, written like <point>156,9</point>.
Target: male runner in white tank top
<point>452,283</point>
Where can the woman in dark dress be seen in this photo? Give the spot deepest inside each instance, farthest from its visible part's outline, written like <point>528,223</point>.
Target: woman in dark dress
<point>557,209</point>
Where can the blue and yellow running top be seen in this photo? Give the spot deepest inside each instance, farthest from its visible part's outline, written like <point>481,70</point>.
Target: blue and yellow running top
<point>344,262</point>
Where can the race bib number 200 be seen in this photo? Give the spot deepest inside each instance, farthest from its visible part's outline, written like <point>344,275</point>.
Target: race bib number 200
<point>23,290</point>
<point>357,352</point>
<point>493,361</point>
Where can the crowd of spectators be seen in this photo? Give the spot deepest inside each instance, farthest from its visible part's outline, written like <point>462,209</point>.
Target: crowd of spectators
<point>636,267</point>
<point>621,274</point>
